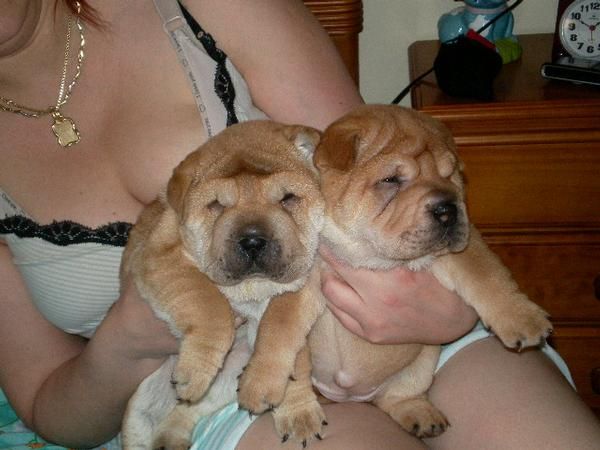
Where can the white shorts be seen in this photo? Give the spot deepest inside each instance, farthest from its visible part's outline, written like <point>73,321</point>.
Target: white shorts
<point>224,429</point>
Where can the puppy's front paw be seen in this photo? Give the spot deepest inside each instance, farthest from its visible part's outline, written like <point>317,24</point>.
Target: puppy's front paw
<point>262,387</point>
<point>300,422</point>
<point>419,417</point>
<point>192,379</point>
<point>525,324</point>
<point>196,369</point>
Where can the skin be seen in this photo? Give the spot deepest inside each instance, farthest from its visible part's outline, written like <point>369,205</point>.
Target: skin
<point>132,137</point>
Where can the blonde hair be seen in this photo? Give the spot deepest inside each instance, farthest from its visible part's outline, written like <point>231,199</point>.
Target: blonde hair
<point>87,13</point>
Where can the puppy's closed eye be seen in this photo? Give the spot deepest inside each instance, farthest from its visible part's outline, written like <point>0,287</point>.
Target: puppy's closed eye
<point>392,180</point>
<point>392,183</point>
<point>290,200</point>
<point>387,188</point>
<point>215,207</point>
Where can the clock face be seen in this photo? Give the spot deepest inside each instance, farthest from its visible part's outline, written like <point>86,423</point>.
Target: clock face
<point>580,29</point>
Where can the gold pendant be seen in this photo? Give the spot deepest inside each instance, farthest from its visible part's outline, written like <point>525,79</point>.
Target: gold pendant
<point>65,130</point>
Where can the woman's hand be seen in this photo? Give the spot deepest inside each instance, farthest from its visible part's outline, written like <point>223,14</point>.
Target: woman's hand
<point>394,307</point>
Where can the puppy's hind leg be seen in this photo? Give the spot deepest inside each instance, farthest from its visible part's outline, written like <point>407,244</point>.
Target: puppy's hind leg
<point>175,432</point>
<point>404,397</point>
<point>153,400</point>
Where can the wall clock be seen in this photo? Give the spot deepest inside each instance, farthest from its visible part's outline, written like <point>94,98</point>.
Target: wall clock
<point>576,49</point>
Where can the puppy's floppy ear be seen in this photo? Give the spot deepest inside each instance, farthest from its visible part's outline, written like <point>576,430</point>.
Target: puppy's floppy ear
<point>338,147</point>
<point>180,182</point>
<point>305,139</point>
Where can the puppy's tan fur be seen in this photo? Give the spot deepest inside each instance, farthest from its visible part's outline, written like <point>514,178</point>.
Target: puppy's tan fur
<point>234,235</point>
<point>394,196</point>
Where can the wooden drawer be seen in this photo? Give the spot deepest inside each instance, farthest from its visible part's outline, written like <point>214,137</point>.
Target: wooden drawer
<point>580,348</point>
<point>540,184</point>
<point>563,278</point>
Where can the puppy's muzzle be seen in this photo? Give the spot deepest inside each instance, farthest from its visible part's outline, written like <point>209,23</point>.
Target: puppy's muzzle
<point>449,223</point>
<point>254,252</point>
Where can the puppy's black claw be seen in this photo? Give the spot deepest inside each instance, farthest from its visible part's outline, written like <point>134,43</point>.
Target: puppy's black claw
<point>415,429</point>
<point>319,437</point>
<point>519,346</point>
<point>324,423</point>
<point>285,438</point>
<point>292,378</point>
<point>304,443</point>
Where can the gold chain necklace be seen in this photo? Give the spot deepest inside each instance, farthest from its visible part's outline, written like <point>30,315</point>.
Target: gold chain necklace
<point>63,127</point>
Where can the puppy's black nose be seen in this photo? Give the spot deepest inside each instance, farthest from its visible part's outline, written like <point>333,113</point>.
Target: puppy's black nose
<point>252,242</point>
<point>445,213</point>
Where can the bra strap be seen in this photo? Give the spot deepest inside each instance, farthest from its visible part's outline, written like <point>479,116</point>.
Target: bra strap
<point>175,19</point>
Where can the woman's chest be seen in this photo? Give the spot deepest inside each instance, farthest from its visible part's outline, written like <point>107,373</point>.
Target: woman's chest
<point>137,119</point>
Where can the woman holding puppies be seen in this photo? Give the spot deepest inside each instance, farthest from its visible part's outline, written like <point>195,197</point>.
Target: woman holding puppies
<point>95,112</point>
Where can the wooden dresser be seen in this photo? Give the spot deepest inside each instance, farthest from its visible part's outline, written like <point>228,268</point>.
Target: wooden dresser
<point>533,174</point>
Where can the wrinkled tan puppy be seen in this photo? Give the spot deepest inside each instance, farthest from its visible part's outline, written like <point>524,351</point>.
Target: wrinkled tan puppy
<point>394,197</point>
<point>233,236</point>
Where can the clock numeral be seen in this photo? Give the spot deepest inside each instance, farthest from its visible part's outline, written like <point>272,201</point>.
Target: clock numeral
<point>576,16</point>
<point>590,49</point>
<point>573,37</point>
<point>594,6</point>
<point>579,45</point>
<point>571,26</point>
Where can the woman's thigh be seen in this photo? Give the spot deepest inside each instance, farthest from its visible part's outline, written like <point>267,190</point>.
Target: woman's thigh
<point>498,399</point>
<point>351,426</point>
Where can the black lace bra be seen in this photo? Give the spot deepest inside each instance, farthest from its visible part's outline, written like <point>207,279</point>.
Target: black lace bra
<point>66,232</point>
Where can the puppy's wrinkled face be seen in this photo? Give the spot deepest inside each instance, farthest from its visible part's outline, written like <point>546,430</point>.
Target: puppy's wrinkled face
<point>249,203</point>
<point>392,185</point>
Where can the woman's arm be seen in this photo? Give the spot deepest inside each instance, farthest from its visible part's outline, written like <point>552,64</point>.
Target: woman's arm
<point>70,390</point>
<point>293,70</point>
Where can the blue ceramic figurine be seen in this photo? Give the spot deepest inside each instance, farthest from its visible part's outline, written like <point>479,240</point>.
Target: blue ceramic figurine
<point>474,15</point>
